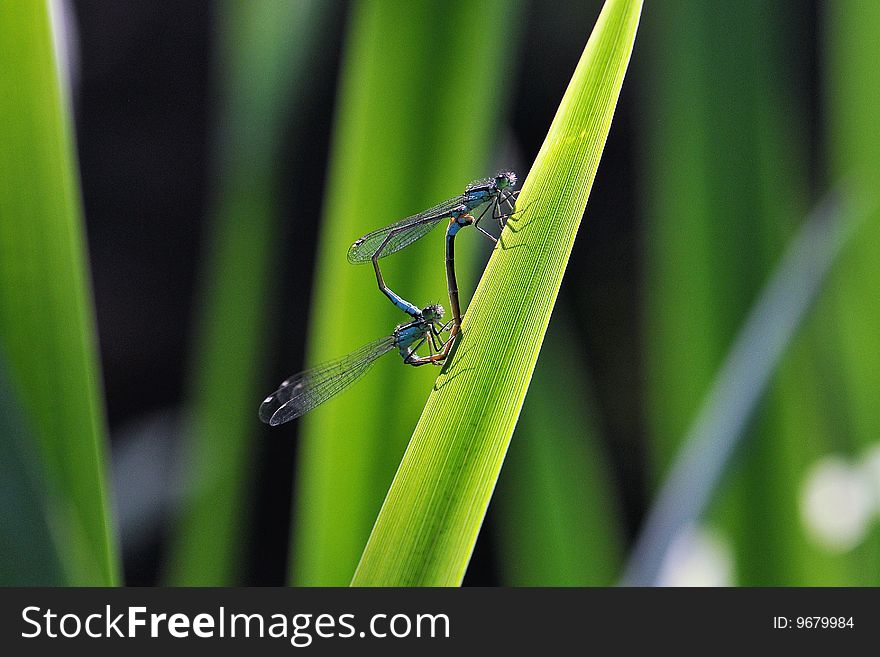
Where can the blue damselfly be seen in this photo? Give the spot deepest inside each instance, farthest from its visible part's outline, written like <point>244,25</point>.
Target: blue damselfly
<point>304,391</point>
<point>400,234</point>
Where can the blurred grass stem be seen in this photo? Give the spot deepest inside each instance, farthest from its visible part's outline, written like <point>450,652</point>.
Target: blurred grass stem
<point>722,422</point>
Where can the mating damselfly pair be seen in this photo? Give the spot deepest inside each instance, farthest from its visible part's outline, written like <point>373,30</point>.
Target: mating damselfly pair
<point>304,391</point>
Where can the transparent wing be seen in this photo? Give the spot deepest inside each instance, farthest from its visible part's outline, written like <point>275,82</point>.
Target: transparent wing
<point>406,231</point>
<point>302,392</point>
<point>482,183</point>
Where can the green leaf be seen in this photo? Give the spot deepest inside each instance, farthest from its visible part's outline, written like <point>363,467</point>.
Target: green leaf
<point>426,530</point>
<point>722,423</point>
<point>716,226</point>
<point>852,318</point>
<point>854,82</point>
<point>264,60</point>
<point>46,314</point>
<point>419,104</point>
<point>31,555</point>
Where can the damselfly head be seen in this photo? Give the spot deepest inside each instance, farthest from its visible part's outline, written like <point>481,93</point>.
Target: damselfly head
<point>433,312</point>
<point>505,179</point>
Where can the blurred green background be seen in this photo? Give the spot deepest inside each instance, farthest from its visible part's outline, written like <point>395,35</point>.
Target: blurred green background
<point>179,185</point>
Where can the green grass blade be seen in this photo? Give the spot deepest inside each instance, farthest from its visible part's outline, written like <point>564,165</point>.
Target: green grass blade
<point>413,128</point>
<point>722,423</point>
<point>264,50</point>
<point>46,314</point>
<point>428,525</point>
<point>852,321</point>
<point>556,513</point>
<point>31,556</point>
<point>854,81</point>
<point>681,296</point>
<point>728,180</point>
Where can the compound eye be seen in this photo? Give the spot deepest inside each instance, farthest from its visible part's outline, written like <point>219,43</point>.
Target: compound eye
<point>505,179</point>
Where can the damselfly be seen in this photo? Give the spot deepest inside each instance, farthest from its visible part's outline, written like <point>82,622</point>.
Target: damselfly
<point>304,391</point>
<point>399,235</point>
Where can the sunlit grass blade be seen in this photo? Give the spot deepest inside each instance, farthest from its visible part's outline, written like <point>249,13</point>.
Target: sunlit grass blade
<point>263,64</point>
<point>420,99</point>
<point>428,525</point>
<point>557,518</point>
<point>46,314</point>
<point>722,423</point>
